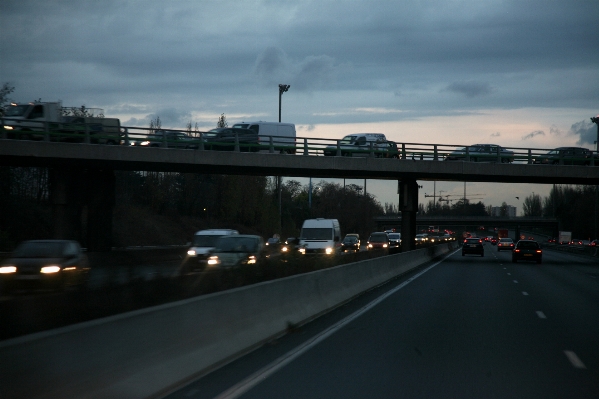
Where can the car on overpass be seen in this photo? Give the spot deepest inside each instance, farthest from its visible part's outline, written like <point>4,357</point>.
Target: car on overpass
<point>528,250</point>
<point>473,245</point>
<point>170,139</point>
<point>360,144</point>
<point>482,153</point>
<point>225,139</point>
<point>567,156</point>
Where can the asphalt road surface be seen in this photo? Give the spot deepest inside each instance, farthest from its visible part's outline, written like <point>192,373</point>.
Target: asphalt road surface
<point>465,327</point>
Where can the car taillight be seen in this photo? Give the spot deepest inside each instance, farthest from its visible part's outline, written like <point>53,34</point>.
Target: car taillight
<point>516,250</point>
<point>539,251</point>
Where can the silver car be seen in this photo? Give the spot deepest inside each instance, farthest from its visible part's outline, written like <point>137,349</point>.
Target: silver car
<point>482,153</point>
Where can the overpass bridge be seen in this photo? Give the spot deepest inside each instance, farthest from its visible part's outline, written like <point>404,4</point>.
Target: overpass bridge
<point>92,166</point>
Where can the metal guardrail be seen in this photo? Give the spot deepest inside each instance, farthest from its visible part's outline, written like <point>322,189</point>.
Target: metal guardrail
<point>91,133</point>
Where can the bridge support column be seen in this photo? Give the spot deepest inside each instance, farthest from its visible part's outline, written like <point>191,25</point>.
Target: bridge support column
<point>100,205</point>
<point>70,190</point>
<point>408,205</point>
<point>66,198</point>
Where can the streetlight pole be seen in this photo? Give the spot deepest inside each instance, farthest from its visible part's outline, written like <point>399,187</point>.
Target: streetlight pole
<point>595,120</point>
<point>282,89</point>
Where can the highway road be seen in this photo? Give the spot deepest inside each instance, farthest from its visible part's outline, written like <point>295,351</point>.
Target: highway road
<point>464,327</point>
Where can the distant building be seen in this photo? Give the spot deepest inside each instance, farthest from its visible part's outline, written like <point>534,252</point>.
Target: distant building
<point>511,211</point>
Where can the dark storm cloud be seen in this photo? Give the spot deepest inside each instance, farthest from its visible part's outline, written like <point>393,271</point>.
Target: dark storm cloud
<point>439,57</point>
<point>533,135</point>
<point>274,66</point>
<point>470,89</point>
<point>586,132</point>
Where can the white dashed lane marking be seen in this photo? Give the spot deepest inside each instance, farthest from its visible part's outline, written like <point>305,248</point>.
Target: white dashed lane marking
<point>576,362</point>
<point>541,315</point>
<point>524,293</point>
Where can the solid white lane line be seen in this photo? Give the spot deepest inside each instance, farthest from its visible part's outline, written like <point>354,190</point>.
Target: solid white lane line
<point>576,362</point>
<point>541,315</point>
<point>516,281</point>
<point>245,385</point>
<point>524,293</point>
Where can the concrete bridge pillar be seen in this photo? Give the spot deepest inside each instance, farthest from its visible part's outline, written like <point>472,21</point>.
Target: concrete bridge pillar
<point>67,200</point>
<point>408,205</point>
<point>100,204</point>
<point>82,203</point>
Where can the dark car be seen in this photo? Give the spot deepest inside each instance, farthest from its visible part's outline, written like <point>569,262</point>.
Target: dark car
<point>566,156</point>
<point>378,240</point>
<point>237,250</point>
<point>170,139</point>
<point>494,241</point>
<point>473,246</point>
<point>527,250</point>
<point>482,153</point>
<point>45,264</point>
<point>394,239</point>
<point>350,243</point>
<point>291,246</point>
<point>226,138</point>
<point>505,244</point>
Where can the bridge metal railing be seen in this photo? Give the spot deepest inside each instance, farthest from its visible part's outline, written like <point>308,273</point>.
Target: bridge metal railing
<point>95,133</point>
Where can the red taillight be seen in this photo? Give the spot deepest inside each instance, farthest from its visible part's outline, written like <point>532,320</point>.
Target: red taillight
<point>539,251</point>
<point>516,250</point>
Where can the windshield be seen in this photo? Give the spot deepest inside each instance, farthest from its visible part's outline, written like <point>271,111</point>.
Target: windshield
<point>394,236</point>
<point>236,244</point>
<point>317,233</point>
<point>348,140</point>
<point>378,238</point>
<point>204,240</point>
<point>528,244</point>
<point>39,250</point>
<point>16,110</point>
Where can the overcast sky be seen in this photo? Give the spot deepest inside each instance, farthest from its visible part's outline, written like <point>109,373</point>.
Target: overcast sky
<point>519,73</point>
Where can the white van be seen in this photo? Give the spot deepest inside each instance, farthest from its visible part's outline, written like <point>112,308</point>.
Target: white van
<point>283,135</point>
<point>199,251</point>
<point>320,236</point>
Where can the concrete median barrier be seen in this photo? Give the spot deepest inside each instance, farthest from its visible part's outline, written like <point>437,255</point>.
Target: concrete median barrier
<point>145,353</point>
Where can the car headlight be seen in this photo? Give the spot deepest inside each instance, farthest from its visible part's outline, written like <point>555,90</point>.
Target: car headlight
<point>302,251</point>
<point>8,127</point>
<point>251,260</point>
<point>329,251</point>
<point>50,269</point>
<point>213,261</point>
<point>385,245</point>
<point>191,252</point>
<point>144,143</point>
<point>8,269</point>
<point>284,249</point>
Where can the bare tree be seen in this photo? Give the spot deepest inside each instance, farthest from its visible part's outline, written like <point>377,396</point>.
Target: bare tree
<point>4,93</point>
<point>155,124</point>
<point>222,121</point>
<point>532,205</point>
